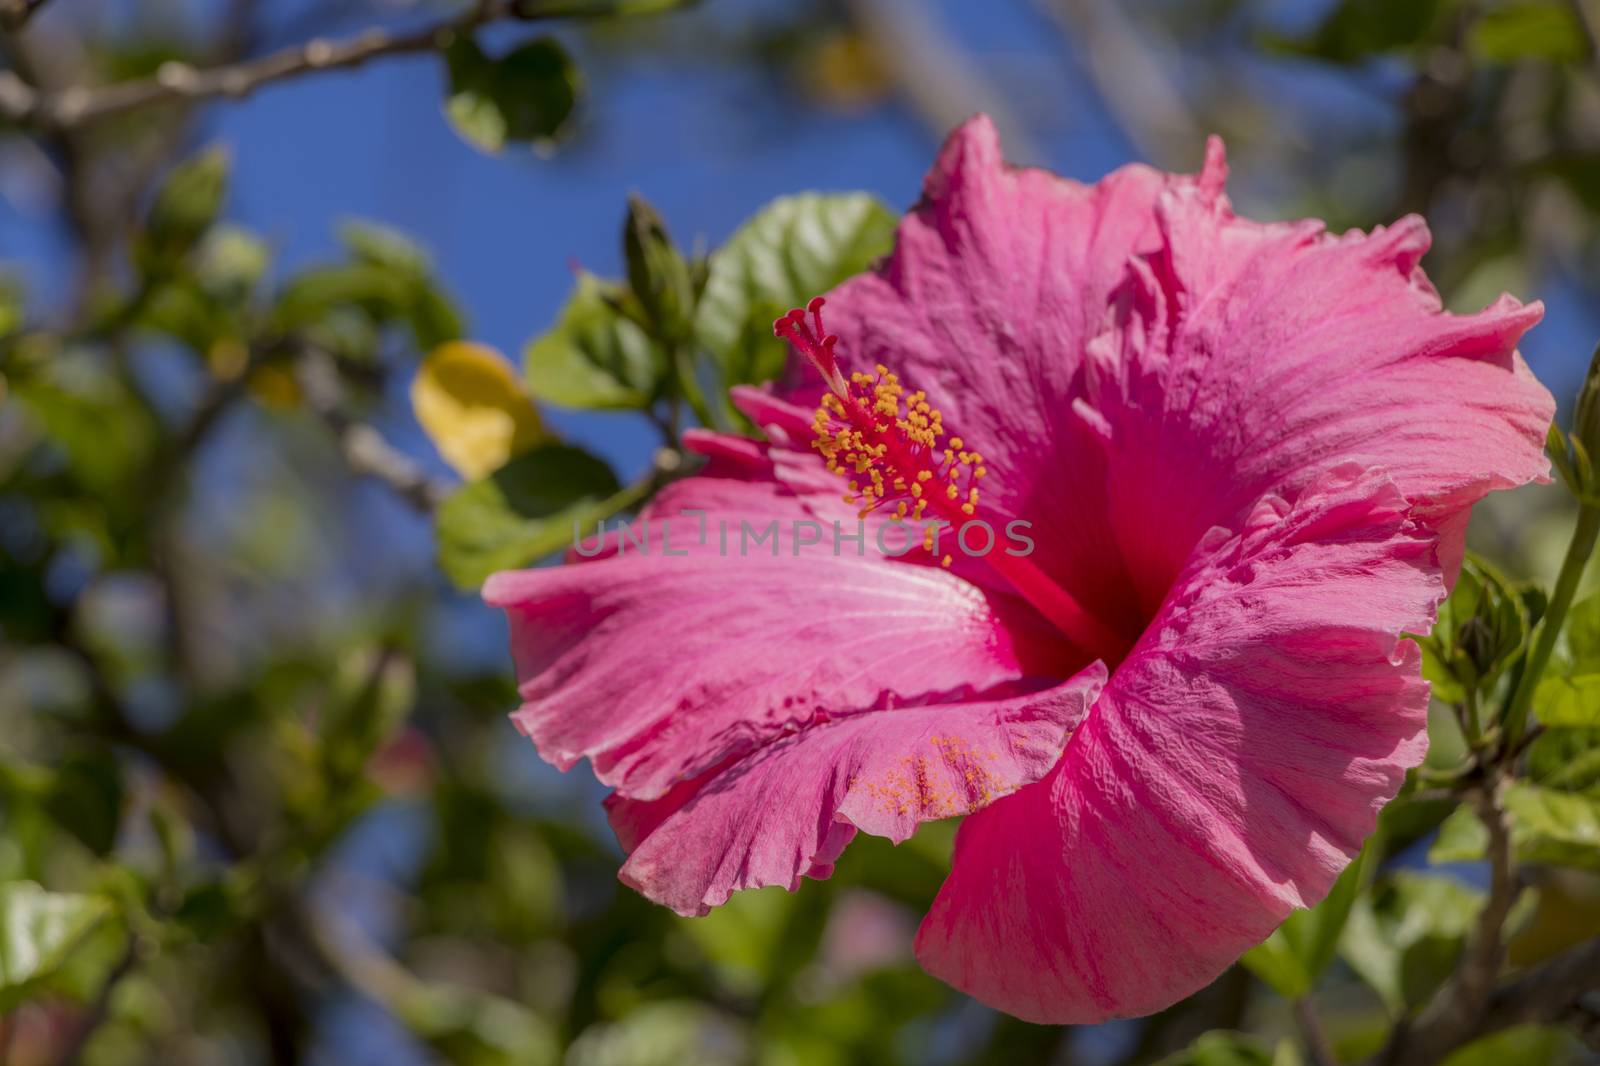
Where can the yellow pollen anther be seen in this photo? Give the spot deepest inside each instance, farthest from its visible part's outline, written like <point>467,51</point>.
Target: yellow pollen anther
<point>889,445</point>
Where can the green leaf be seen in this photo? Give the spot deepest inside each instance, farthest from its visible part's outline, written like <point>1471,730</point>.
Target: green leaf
<point>38,932</point>
<point>1524,1045</point>
<point>663,1034</point>
<point>1568,702</point>
<point>384,246</point>
<point>1481,631</point>
<point>383,283</point>
<point>527,95</point>
<point>1462,838</point>
<point>795,248</point>
<point>1403,938</point>
<point>1566,759</point>
<point>594,358</point>
<point>1580,638</point>
<point>1545,31</point>
<point>100,427</point>
<point>432,315</point>
<point>1294,956</point>
<point>1356,30</point>
<point>524,511</point>
<point>85,798</point>
<point>185,206</point>
<point>1222,1048</point>
<point>1560,828</point>
<point>1547,826</point>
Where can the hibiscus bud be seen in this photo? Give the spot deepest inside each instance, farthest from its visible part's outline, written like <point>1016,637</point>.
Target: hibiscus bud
<point>659,277</point>
<point>1585,436</point>
<point>1479,646</point>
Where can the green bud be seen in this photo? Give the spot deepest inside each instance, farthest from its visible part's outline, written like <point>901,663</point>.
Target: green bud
<point>658,275</point>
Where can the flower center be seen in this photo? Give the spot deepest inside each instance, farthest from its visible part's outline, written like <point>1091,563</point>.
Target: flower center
<point>894,451</point>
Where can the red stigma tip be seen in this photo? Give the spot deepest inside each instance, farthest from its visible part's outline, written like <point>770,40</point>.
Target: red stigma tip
<point>815,344</point>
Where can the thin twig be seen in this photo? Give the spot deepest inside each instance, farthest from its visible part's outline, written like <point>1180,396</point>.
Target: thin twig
<point>1591,28</point>
<point>1313,1034</point>
<point>1133,77</point>
<point>934,74</point>
<point>177,82</point>
<point>365,449</point>
<point>14,14</point>
<point>100,1009</point>
<point>1540,995</point>
<point>1464,999</point>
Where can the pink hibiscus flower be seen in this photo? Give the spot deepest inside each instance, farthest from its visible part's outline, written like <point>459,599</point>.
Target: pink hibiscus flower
<point>1246,452</point>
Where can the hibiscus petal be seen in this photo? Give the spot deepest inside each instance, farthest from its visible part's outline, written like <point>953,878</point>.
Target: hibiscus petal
<point>659,667</point>
<point>998,280</point>
<point>883,773</point>
<point>1232,767</point>
<point>1249,358</point>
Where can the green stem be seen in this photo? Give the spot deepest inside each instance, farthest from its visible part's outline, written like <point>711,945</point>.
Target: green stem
<point>1470,718</point>
<point>689,388</point>
<point>1555,615</point>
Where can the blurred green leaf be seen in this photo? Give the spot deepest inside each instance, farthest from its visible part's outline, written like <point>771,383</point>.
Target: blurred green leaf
<point>388,280</point>
<point>1403,937</point>
<point>741,937</point>
<point>1222,1048</point>
<point>524,511</point>
<point>1462,838</point>
<point>431,314</point>
<point>1297,952</point>
<point>470,1028</point>
<point>1356,30</point>
<point>1561,828</point>
<point>663,1034</point>
<point>1568,702</point>
<point>185,206</point>
<point>374,692</point>
<point>1547,826</point>
<point>1524,1045</point>
<point>103,431</point>
<point>1566,759</point>
<point>13,305</point>
<point>312,293</point>
<point>1547,31</point>
<point>1579,648</point>
<point>526,95</point>
<point>795,248</point>
<point>594,357</point>
<point>85,798</point>
<point>38,932</point>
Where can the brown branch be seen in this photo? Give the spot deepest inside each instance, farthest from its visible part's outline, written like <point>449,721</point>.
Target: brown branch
<point>1133,77</point>
<point>365,449</point>
<point>934,75</point>
<point>1543,994</point>
<point>14,14</point>
<point>1462,1004</point>
<point>1590,23</point>
<point>177,82</point>
<point>1313,1034</point>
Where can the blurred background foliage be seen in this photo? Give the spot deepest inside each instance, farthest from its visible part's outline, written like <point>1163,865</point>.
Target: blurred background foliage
<point>259,799</point>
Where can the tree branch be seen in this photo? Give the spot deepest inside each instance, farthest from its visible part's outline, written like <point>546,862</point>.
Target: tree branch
<point>1461,1004</point>
<point>1591,28</point>
<point>14,14</point>
<point>181,83</point>
<point>365,449</point>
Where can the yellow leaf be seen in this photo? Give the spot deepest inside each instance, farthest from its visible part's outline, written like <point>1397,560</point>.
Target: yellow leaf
<point>471,403</point>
